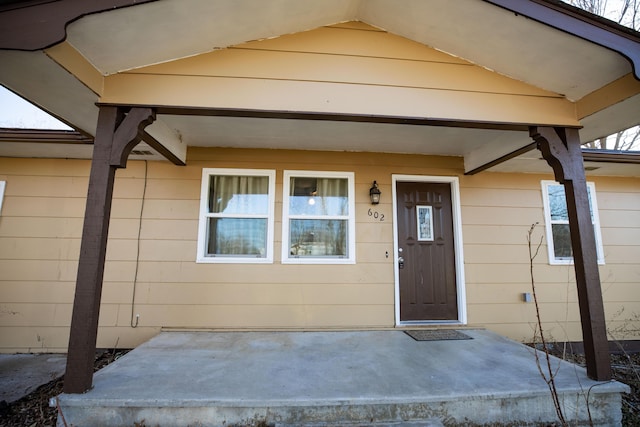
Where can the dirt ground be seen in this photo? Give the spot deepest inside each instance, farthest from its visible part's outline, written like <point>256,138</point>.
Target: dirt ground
<point>33,410</point>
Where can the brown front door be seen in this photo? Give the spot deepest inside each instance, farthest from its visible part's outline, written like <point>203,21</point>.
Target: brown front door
<point>426,252</point>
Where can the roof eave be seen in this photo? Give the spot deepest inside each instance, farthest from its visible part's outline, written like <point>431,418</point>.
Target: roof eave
<point>580,23</point>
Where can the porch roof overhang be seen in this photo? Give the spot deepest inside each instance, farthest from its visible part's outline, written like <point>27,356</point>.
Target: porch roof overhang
<point>60,61</point>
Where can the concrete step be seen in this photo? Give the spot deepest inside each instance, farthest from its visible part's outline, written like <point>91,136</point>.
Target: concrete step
<point>322,379</point>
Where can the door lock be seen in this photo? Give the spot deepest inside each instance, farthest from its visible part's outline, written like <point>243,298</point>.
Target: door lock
<point>400,262</point>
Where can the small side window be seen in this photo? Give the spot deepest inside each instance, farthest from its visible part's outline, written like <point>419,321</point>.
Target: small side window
<point>557,222</point>
<point>236,216</point>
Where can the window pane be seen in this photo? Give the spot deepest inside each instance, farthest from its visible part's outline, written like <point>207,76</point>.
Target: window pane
<point>309,237</point>
<point>318,196</point>
<point>234,236</point>
<point>561,241</point>
<point>239,194</point>
<point>558,203</point>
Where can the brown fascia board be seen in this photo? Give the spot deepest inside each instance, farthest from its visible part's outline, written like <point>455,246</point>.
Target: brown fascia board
<point>610,156</point>
<point>44,136</point>
<point>39,24</point>
<point>580,23</point>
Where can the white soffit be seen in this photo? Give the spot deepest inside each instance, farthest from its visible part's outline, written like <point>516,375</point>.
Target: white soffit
<point>161,31</point>
<point>477,31</point>
<point>333,136</point>
<point>49,87</point>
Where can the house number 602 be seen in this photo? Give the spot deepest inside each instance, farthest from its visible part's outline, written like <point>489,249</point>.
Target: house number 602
<point>376,215</point>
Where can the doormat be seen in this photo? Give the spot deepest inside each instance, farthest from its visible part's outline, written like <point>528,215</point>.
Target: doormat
<point>437,335</point>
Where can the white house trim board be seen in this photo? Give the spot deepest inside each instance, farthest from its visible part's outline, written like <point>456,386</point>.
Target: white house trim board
<point>458,245</point>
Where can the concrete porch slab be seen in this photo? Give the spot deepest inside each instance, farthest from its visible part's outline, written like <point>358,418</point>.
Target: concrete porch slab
<point>335,378</point>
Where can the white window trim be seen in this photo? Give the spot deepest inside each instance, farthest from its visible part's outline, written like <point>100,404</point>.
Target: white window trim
<point>2,187</point>
<point>591,187</point>
<point>351,220</point>
<point>203,215</point>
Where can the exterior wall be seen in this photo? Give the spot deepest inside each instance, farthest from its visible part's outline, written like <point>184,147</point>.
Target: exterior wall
<point>41,225</point>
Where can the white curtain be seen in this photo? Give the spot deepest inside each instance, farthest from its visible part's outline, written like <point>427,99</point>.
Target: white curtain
<point>231,197</point>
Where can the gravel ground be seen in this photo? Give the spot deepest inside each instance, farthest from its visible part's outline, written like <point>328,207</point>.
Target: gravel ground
<point>33,410</point>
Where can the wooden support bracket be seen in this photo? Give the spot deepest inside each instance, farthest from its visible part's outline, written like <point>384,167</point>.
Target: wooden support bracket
<point>117,133</point>
<point>561,149</point>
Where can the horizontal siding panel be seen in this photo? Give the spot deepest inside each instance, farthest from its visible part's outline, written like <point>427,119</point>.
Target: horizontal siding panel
<point>624,186</point>
<point>41,227</point>
<point>515,273</point>
<point>511,293</point>
<point>47,186</point>
<point>621,201</point>
<point>120,271</point>
<point>366,70</point>
<point>125,208</point>
<point>174,229</point>
<point>331,40</point>
<point>189,272</point>
<point>122,250</point>
<point>264,316</point>
<point>497,234</point>
<point>323,97</point>
<point>171,209</point>
<point>372,232</point>
<point>168,250</point>
<point>119,292</point>
<point>620,236</point>
<point>378,253</point>
<point>618,218</point>
<point>175,189</point>
<point>128,188</point>
<point>491,181</point>
<point>629,254</point>
<point>620,273</point>
<point>18,314</point>
<point>216,294</point>
<point>509,216</point>
<point>49,207</point>
<point>11,166</point>
<point>49,292</point>
<point>28,339</point>
<point>38,270</point>
<point>18,248</point>
<point>523,313</point>
<point>493,254</point>
<point>499,198</point>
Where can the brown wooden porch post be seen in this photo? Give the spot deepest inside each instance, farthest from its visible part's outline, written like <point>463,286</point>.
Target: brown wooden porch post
<point>561,149</point>
<point>116,135</point>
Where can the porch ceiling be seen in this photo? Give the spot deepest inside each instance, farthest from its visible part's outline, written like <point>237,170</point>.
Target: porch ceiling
<point>476,30</point>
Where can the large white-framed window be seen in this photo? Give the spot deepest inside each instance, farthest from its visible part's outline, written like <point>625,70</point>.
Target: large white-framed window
<point>236,216</point>
<point>318,218</point>
<point>557,222</point>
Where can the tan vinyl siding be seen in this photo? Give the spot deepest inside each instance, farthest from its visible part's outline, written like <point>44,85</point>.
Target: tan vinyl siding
<point>41,225</point>
<point>498,210</point>
<point>352,69</point>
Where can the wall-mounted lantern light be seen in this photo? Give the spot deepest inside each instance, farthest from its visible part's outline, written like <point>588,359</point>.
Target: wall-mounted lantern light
<point>374,193</point>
